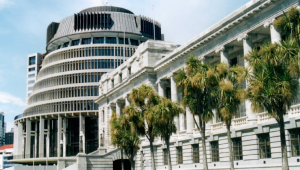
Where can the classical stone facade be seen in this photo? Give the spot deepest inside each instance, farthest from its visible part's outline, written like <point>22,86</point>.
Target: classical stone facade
<point>255,136</point>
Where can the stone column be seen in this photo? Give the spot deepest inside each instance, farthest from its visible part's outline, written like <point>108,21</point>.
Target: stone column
<point>161,88</point>
<point>182,122</point>
<point>64,137</point>
<point>82,132</point>
<point>28,138</point>
<point>35,140</point>
<point>275,34</point>
<point>118,108</point>
<point>224,56</point>
<point>189,121</point>
<point>127,102</point>
<point>248,46</point>
<point>174,98</point>
<point>59,121</point>
<point>41,140</point>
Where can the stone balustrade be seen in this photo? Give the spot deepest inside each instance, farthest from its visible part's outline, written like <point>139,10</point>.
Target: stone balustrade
<point>239,121</point>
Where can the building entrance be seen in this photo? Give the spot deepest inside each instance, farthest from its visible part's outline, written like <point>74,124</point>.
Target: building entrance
<point>117,164</point>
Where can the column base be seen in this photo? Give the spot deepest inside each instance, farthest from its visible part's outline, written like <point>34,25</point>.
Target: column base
<point>102,150</point>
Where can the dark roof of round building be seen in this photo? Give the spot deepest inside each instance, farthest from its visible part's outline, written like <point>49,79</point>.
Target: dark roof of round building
<point>106,9</point>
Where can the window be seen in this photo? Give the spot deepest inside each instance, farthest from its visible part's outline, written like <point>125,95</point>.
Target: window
<point>31,75</point>
<point>237,148</point>
<point>98,40</point>
<point>195,153</point>
<point>165,151</point>
<point>31,69</point>
<point>168,92</point>
<point>31,60</point>
<point>29,94</point>
<point>111,40</point>
<point>129,70</point>
<point>134,42</point>
<point>215,151</point>
<point>121,41</point>
<point>66,44</point>
<point>264,145</point>
<point>30,88</point>
<point>58,47</point>
<point>75,42</point>
<point>295,140</point>
<point>120,78</point>
<point>112,83</point>
<point>86,41</point>
<point>233,61</point>
<point>31,82</point>
<point>179,155</point>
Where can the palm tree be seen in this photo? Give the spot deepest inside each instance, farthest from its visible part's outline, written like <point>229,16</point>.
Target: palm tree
<point>165,113</point>
<point>117,134</point>
<point>198,83</point>
<point>140,113</point>
<point>123,137</point>
<point>289,24</point>
<point>229,95</point>
<point>273,79</point>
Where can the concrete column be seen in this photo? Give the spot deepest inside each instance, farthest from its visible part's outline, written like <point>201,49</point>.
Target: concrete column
<point>174,98</point>
<point>16,139</point>
<point>224,56</point>
<point>82,132</point>
<point>118,108</point>
<point>64,137</point>
<point>41,140</point>
<point>48,140</point>
<point>189,121</point>
<point>59,121</point>
<point>28,138</point>
<point>20,140</point>
<point>248,46</point>
<point>35,140</point>
<point>161,89</point>
<point>275,34</point>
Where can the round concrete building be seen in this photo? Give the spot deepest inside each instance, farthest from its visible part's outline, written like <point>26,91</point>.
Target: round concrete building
<point>61,116</point>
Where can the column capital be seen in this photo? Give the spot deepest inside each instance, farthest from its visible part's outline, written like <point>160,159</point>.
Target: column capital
<point>269,22</point>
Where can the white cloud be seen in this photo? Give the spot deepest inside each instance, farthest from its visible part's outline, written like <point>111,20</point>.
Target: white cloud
<point>4,3</point>
<point>10,99</point>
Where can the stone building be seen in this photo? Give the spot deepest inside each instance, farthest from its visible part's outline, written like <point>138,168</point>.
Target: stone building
<point>255,136</point>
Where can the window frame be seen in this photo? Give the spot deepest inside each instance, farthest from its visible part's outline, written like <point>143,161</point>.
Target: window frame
<point>266,146</point>
<point>215,154</point>
<point>179,155</point>
<point>239,148</point>
<point>293,132</point>
<point>196,154</point>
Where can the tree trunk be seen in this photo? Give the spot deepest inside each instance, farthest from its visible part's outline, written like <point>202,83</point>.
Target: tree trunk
<point>231,159</point>
<point>152,154</point>
<point>202,131</point>
<point>122,159</point>
<point>132,163</point>
<point>169,154</point>
<point>285,163</point>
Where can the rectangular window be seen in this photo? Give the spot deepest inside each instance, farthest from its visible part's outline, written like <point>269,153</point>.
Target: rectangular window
<point>121,41</point>
<point>111,40</point>
<point>264,145</point>
<point>30,88</point>
<point>31,60</point>
<point>295,142</point>
<point>134,42</point>
<point>195,153</point>
<point>66,44</point>
<point>75,42</point>
<point>179,155</point>
<point>86,41</point>
<point>31,75</point>
<point>237,148</point>
<point>215,151</point>
<point>165,156</point>
<point>98,40</point>
<point>31,81</point>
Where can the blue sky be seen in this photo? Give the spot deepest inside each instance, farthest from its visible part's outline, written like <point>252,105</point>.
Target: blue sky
<point>23,26</point>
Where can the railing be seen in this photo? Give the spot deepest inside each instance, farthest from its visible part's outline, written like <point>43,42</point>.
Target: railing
<point>239,121</point>
<point>294,111</point>
<point>217,126</point>
<point>263,117</point>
